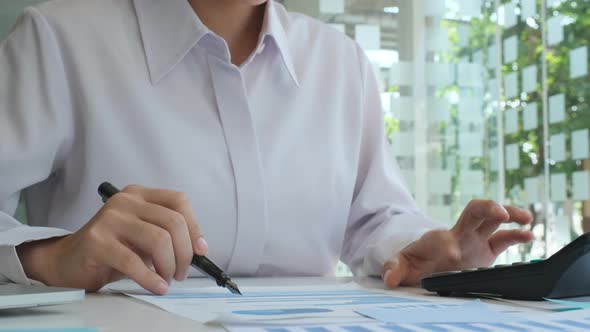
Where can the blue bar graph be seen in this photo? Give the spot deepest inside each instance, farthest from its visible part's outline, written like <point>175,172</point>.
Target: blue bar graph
<point>543,326</point>
<point>510,327</point>
<point>433,327</point>
<point>317,329</point>
<point>355,328</point>
<point>574,324</point>
<point>471,327</point>
<point>397,328</point>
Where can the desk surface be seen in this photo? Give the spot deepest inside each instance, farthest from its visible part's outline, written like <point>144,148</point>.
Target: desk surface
<point>116,312</point>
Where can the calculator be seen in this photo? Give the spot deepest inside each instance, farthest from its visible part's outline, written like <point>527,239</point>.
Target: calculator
<point>564,274</point>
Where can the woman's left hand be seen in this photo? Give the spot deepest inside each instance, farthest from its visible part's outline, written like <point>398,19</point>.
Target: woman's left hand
<point>473,242</point>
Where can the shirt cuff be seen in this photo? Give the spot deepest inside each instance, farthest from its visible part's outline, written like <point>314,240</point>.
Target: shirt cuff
<point>11,269</point>
<point>392,237</point>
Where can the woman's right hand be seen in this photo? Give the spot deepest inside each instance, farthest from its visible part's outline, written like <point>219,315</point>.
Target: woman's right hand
<point>135,230</point>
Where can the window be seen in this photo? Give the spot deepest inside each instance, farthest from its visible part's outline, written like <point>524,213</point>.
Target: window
<point>480,103</point>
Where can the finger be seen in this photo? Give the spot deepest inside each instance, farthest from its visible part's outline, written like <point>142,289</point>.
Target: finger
<point>394,272</point>
<point>478,211</point>
<point>519,216</point>
<point>502,240</point>
<point>178,202</point>
<point>122,259</point>
<point>150,240</point>
<point>174,223</point>
<point>435,251</point>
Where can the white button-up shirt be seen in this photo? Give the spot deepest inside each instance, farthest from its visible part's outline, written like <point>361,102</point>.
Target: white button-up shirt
<point>284,157</point>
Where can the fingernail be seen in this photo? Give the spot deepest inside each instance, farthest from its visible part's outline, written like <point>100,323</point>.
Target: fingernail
<point>162,288</point>
<point>502,208</point>
<point>386,275</point>
<point>202,246</point>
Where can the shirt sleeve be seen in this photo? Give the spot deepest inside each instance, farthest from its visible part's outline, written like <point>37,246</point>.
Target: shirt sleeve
<point>384,217</point>
<point>35,129</point>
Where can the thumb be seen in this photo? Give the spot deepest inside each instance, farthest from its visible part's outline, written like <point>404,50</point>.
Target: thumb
<point>395,271</point>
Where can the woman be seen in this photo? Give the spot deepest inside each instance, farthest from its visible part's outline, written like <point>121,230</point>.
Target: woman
<point>263,128</point>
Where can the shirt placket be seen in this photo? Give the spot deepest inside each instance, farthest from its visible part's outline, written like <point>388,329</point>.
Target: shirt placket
<point>240,135</point>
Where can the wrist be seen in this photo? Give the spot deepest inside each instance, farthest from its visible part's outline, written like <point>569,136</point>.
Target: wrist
<point>36,259</point>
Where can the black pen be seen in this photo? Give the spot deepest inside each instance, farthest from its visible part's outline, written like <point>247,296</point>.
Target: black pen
<point>202,263</point>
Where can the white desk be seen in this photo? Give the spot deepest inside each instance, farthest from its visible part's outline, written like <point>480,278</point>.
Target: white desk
<point>115,312</point>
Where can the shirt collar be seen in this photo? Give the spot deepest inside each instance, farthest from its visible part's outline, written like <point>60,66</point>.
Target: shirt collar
<point>170,29</point>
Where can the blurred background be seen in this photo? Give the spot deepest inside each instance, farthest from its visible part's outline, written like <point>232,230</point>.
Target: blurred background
<point>481,99</point>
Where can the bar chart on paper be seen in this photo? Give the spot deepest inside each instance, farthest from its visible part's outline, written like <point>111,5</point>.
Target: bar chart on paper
<point>554,325</point>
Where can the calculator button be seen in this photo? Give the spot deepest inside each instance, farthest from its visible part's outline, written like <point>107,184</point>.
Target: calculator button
<point>537,260</point>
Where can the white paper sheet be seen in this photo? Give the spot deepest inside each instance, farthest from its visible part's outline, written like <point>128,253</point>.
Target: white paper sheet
<point>576,320</point>
<point>470,312</point>
<point>512,157</point>
<point>511,85</point>
<point>529,79</point>
<point>581,185</point>
<point>581,144</point>
<point>557,147</point>
<point>531,190</point>
<point>510,49</point>
<point>511,121</point>
<point>278,305</point>
<point>529,114</point>
<point>556,108</point>
<point>554,30</point>
<point>528,8</point>
<point>558,187</point>
<point>579,62</point>
<point>332,6</point>
<point>368,36</point>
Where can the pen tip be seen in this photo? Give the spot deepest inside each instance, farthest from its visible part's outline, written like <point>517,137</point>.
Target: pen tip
<point>233,287</point>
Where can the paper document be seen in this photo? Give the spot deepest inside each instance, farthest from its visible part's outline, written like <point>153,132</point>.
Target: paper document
<point>578,320</point>
<point>310,304</point>
<point>470,312</point>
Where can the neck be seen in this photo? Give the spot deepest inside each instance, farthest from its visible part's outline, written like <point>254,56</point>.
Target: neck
<point>237,22</point>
